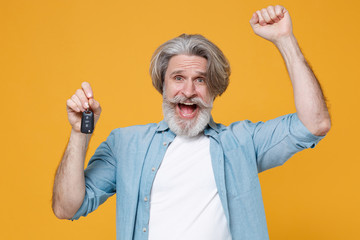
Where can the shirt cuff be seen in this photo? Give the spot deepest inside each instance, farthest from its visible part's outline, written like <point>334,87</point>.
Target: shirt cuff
<point>82,211</point>
<point>301,133</point>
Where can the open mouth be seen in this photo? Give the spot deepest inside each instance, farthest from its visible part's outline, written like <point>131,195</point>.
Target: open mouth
<point>187,110</point>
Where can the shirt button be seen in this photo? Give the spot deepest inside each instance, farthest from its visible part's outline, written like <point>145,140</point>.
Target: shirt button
<point>145,199</point>
<point>153,169</point>
<point>164,143</point>
<point>144,229</point>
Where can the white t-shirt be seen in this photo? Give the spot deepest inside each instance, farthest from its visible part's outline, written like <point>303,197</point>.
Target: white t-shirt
<point>184,201</point>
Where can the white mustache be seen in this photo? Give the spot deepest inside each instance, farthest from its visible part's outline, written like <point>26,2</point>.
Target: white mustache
<point>196,100</point>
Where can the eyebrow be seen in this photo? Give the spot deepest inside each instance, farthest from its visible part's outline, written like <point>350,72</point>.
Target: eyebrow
<point>181,71</point>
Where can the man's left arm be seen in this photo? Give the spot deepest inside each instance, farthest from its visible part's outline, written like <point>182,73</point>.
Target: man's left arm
<point>274,24</point>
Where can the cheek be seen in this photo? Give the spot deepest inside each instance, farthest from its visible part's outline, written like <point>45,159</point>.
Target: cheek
<point>172,90</point>
<point>204,93</point>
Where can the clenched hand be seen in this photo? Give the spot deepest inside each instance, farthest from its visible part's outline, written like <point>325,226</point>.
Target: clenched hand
<point>272,23</point>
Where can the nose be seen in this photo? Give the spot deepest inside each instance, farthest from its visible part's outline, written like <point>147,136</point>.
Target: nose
<point>189,89</point>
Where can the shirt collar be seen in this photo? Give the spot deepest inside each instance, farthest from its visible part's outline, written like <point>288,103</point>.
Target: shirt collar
<point>162,126</point>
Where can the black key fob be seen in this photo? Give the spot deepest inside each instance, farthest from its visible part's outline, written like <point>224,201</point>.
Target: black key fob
<point>87,122</point>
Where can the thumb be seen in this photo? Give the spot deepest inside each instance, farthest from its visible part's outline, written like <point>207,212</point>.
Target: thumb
<point>95,106</point>
<point>254,19</point>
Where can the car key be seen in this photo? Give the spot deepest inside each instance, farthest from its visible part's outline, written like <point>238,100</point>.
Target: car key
<point>87,122</point>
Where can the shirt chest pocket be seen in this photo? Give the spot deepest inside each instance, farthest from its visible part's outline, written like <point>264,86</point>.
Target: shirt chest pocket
<point>241,174</point>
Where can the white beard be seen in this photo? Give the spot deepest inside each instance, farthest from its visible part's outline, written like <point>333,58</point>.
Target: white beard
<point>186,127</point>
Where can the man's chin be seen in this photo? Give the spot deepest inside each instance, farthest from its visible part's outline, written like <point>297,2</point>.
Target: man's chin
<point>189,127</point>
<point>184,128</point>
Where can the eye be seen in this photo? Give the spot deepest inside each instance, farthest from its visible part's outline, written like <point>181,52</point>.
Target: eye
<point>200,80</point>
<point>178,78</point>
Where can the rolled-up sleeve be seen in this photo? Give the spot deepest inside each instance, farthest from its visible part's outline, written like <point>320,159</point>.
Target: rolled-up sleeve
<point>100,179</point>
<point>276,140</point>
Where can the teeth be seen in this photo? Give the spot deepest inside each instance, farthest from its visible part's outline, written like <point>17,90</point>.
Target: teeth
<point>188,104</point>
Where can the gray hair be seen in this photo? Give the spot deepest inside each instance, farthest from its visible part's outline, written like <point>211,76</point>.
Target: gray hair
<point>218,67</point>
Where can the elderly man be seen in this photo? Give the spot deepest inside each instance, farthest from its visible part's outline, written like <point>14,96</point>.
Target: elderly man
<point>188,177</point>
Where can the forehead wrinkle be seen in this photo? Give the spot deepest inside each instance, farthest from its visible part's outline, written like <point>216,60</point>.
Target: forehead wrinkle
<point>201,73</point>
<point>197,65</point>
<point>189,64</point>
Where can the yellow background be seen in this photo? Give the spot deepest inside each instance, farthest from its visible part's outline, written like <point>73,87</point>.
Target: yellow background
<point>47,48</point>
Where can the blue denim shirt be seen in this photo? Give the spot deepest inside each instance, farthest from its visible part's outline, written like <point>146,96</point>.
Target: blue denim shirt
<point>126,164</point>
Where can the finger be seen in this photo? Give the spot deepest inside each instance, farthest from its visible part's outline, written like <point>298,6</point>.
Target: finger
<point>266,16</point>
<point>262,22</point>
<point>72,105</point>
<point>83,99</point>
<point>254,19</point>
<point>87,89</point>
<point>272,14</point>
<point>95,106</point>
<point>279,11</point>
<point>77,101</point>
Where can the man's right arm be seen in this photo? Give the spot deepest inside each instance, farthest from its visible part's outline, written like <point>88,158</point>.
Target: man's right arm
<point>69,184</point>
